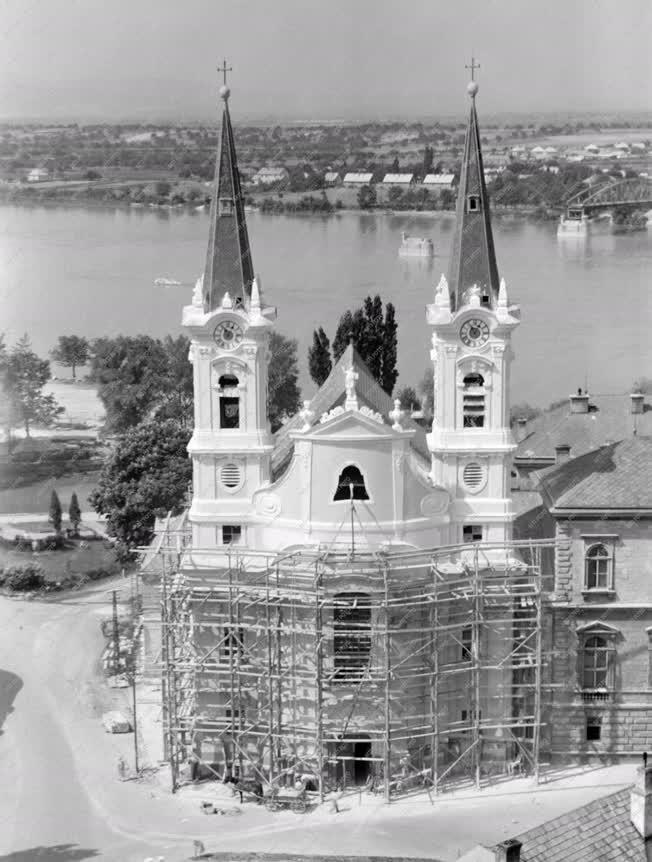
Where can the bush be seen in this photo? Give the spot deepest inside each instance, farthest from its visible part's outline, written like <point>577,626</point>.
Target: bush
<point>23,578</point>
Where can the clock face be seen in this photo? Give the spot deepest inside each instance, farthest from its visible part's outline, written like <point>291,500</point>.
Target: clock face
<point>474,333</point>
<point>227,334</point>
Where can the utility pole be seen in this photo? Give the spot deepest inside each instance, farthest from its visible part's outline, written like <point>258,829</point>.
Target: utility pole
<point>116,635</point>
<point>132,681</point>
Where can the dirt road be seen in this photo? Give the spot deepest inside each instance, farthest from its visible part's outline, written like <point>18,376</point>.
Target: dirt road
<point>60,797</point>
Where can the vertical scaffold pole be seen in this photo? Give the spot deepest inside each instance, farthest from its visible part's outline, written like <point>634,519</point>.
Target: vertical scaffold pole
<point>434,683</point>
<point>536,742</point>
<point>270,678</point>
<point>279,669</point>
<point>388,670</point>
<point>319,681</point>
<point>231,643</point>
<point>475,629</point>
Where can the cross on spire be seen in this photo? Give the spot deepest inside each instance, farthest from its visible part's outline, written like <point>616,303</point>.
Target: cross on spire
<point>473,67</point>
<point>224,69</point>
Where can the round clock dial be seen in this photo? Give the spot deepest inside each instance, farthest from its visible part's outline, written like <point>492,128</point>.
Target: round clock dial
<point>227,335</point>
<point>474,333</point>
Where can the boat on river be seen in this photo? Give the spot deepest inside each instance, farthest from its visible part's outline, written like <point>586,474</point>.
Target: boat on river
<point>574,223</point>
<point>416,246</point>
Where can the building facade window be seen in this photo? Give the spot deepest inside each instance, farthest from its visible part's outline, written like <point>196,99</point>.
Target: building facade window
<point>473,401</point>
<point>471,533</point>
<point>229,397</point>
<point>231,533</point>
<point>472,203</point>
<point>598,568</point>
<point>597,664</point>
<point>466,643</point>
<point>350,485</point>
<point>352,636</point>
<point>232,648</point>
<point>593,728</point>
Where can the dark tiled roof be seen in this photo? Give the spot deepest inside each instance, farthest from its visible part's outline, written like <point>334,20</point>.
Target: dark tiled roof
<point>473,257</point>
<point>330,394</point>
<point>610,419</point>
<point>618,476</point>
<point>228,259</point>
<point>598,832</point>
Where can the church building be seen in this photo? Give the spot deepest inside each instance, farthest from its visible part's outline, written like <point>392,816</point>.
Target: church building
<point>349,605</point>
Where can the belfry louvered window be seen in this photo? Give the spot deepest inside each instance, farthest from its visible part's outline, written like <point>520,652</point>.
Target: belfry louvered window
<point>473,401</point>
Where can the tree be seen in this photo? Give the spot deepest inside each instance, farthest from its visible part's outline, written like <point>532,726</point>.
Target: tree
<point>428,158</point>
<point>283,393</point>
<point>523,411</point>
<point>319,357</point>
<point>373,337</point>
<point>140,377</point>
<point>71,351</point>
<point>395,167</point>
<point>74,513</point>
<point>389,373</point>
<point>427,390</point>
<point>409,399</point>
<point>146,476</point>
<point>54,516</point>
<point>367,197</point>
<point>24,376</point>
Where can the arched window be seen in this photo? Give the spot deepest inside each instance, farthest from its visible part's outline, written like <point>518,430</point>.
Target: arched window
<point>352,636</point>
<point>350,485</point>
<point>599,568</point>
<point>596,663</point>
<point>229,401</point>
<point>473,406</point>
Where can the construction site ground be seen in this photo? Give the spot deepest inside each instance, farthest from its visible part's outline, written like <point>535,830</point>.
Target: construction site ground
<point>61,797</point>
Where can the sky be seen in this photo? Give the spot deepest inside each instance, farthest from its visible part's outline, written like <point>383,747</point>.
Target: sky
<point>320,59</point>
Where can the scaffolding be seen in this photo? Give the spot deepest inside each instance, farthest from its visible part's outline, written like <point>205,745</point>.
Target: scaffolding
<point>392,669</point>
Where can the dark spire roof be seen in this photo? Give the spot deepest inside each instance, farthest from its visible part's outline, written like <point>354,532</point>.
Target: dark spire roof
<point>228,261</point>
<point>473,257</point>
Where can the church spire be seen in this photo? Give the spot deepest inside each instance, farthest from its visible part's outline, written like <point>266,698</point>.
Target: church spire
<point>228,261</point>
<point>473,257</point>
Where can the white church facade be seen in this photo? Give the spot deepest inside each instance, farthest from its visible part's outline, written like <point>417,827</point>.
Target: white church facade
<point>325,632</point>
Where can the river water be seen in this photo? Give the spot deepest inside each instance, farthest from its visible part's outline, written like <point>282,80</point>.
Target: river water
<point>586,308</point>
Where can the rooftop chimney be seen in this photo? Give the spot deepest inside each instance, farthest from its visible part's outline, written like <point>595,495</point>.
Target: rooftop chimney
<point>562,453</point>
<point>508,851</point>
<point>641,800</point>
<point>579,403</point>
<point>637,399</point>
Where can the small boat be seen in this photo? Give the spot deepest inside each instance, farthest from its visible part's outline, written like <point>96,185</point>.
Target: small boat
<point>416,246</point>
<point>575,223</point>
<point>167,282</point>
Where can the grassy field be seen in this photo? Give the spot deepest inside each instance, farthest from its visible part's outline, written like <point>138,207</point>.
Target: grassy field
<point>36,497</point>
<point>69,562</point>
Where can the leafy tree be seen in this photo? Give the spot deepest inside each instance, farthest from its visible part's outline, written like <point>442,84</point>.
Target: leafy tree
<point>283,393</point>
<point>367,197</point>
<point>395,167</point>
<point>139,377</point>
<point>389,373</point>
<point>373,337</point>
<point>343,335</point>
<point>24,376</point>
<point>74,513</point>
<point>409,399</point>
<point>71,351</point>
<point>395,195</point>
<point>319,357</point>
<point>428,158</point>
<point>146,476</point>
<point>427,390</point>
<point>54,516</point>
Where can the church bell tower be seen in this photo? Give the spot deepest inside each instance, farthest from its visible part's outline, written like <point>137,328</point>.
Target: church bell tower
<point>229,328</point>
<point>471,443</point>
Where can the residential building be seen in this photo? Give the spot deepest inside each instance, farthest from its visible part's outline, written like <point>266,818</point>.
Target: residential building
<point>439,181</point>
<point>398,179</point>
<point>37,175</point>
<point>270,176</point>
<point>357,178</point>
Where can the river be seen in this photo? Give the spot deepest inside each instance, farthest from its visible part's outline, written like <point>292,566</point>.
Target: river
<point>586,310</point>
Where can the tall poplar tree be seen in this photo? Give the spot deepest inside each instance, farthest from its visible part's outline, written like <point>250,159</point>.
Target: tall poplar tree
<point>319,357</point>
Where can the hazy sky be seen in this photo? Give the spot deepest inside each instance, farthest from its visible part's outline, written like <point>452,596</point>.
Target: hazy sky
<point>115,59</point>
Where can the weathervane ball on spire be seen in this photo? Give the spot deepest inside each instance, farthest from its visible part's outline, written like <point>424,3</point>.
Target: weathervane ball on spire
<point>225,92</point>
<point>472,89</point>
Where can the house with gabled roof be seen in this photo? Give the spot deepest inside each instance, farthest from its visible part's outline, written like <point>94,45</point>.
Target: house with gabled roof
<point>613,828</point>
